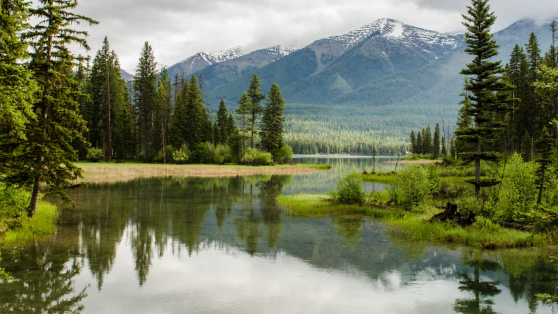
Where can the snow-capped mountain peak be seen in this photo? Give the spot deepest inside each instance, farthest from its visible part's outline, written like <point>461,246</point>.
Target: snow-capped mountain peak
<point>397,31</point>
<point>281,50</point>
<point>215,56</point>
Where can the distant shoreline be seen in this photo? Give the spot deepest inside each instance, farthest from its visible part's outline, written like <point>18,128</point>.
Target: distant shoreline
<point>341,156</point>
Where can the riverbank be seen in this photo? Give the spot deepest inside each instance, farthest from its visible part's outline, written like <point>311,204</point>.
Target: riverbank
<point>97,173</point>
<point>416,226</point>
<point>21,229</point>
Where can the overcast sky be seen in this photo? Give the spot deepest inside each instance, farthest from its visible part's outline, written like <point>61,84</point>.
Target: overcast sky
<point>177,29</point>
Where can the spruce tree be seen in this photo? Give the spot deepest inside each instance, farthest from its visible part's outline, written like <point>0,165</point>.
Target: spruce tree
<point>231,125</point>
<point>545,149</point>
<point>413,142</point>
<point>222,119</point>
<point>178,127</point>
<point>255,108</point>
<point>427,141</point>
<point>217,134</point>
<point>195,114</point>
<point>526,149</point>
<point>536,119</point>
<point>484,84</point>
<point>243,111</point>
<point>436,142</point>
<point>17,86</point>
<point>272,121</point>
<point>47,156</point>
<point>419,143</point>
<point>145,90</point>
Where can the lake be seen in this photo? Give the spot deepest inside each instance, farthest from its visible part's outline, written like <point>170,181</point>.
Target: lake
<point>223,245</point>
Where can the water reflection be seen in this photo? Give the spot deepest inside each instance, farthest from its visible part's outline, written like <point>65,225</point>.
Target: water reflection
<point>224,245</point>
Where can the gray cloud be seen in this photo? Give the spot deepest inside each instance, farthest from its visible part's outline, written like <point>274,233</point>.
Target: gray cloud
<point>177,29</point>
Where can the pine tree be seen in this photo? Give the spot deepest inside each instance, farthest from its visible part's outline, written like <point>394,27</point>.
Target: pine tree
<point>217,134</point>
<point>413,142</point>
<point>195,114</point>
<point>419,143</point>
<point>483,85</point>
<point>231,126</point>
<point>178,127</point>
<point>436,142</point>
<point>444,148</point>
<point>145,90</point>
<point>255,108</point>
<point>47,156</point>
<point>545,148</point>
<point>222,119</point>
<point>242,111</point>
<point>534,104</point>
<point>526,148</point>
<point>17,86</point>
<point>272,121</point>
<point>427,141</point>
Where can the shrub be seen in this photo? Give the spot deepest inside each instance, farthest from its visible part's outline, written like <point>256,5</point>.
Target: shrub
<point>485,224</point>
<point>349,190</point>
<point>221,154</point>
<point>415,185</point>
<point>433,179</point>
<point>181,156</point>
<point>95,154</point>
<point>13,202</point>
<point>517,190</point>
<point>255,157</point>
<point>168,156</point>
<point>200,154</point>
<point>283,155</point>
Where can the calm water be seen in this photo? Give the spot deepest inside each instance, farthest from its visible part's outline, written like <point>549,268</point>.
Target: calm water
<point>224,246</point>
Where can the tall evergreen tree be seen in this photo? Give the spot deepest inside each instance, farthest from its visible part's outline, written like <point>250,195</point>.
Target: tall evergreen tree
<point>17,86</point>
<point>419,143</point>
<point>255,108</point>
<point>427,141</point>
<point>545,148</point>
<point>243,111</point>
<point>272,121</point>
<point>231,125</point>
<point>534,111</point>
<point>217,134</point>
<point>47,156</point>
<point>413,140</point>
<point>222,119</point>
<point>195,114</point>
<point>436,142</point>
<point>145,92</point>
<point>483,85</point>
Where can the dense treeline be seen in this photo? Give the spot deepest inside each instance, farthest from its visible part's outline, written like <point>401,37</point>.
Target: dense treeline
<point>58,108</point>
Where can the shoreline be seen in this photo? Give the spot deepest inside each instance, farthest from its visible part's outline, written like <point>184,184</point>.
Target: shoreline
<point>99,173</point>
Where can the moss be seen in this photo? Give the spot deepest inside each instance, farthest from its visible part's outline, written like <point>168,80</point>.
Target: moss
<point>42,224</point>
<point>306,205</point>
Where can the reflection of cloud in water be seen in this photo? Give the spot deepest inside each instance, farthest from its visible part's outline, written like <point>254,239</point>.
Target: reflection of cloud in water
<point>221,278</point>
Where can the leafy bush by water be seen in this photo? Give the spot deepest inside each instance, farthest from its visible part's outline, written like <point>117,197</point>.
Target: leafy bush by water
<point>517,190</point>
<point>349,190</point>
<point>181,156</point>
<point>256,157</point>
<point>283,155</point>
<point>95,154</point>
<point>415,185</point>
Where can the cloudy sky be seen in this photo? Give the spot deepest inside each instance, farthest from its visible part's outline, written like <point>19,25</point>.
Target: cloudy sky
<point>177,29</point>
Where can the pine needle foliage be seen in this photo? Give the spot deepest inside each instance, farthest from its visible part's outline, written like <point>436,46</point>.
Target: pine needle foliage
<point>272,121</point>
<point>46,156</point>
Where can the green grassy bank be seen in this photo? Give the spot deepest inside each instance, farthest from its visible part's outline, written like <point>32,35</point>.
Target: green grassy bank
<point>15,226</point>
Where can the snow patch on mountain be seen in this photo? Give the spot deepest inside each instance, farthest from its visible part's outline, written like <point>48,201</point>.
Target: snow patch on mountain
<point>281,50</point>
<point>396,31</point>
<point>215,56</point>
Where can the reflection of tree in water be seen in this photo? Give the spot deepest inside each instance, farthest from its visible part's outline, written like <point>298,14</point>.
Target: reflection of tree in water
<point>43,280</point>
<point>271,212</point>
<point>349,229</point>
<point>247,227</point>
<point>482,290</point>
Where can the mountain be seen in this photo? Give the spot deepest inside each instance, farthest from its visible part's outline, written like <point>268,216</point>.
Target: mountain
<point>127,76</point>
<point>202,60</point>
<point>333,66</point>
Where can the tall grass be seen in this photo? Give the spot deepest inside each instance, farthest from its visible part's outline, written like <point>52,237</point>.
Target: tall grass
<point>318,206</point>
<point>42,224</point>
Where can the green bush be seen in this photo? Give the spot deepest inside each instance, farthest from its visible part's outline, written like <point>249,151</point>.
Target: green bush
<point>433,179</point>
<point>13,202</point>
<point>415,185</point>
<point>484,224</point>
<point>221,154</point>
<point>199,154</point>
<point>517,190</point>
<point>167,157</point>
<point>181,156</point>
<point>349,190</point>
<point>95,154</point>
<point>283,155</point>
<point>255,157</point>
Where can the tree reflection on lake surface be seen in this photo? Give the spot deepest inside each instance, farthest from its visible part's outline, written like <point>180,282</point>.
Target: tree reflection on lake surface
<point>223,245</point>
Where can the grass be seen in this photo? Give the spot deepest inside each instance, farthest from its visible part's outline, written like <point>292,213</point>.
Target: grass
<point>42,224</point>
<point>385,178</point>
<point>307,205</point>
<point>416,227</point>
<point>122,172</point>
<point>317,167</point>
